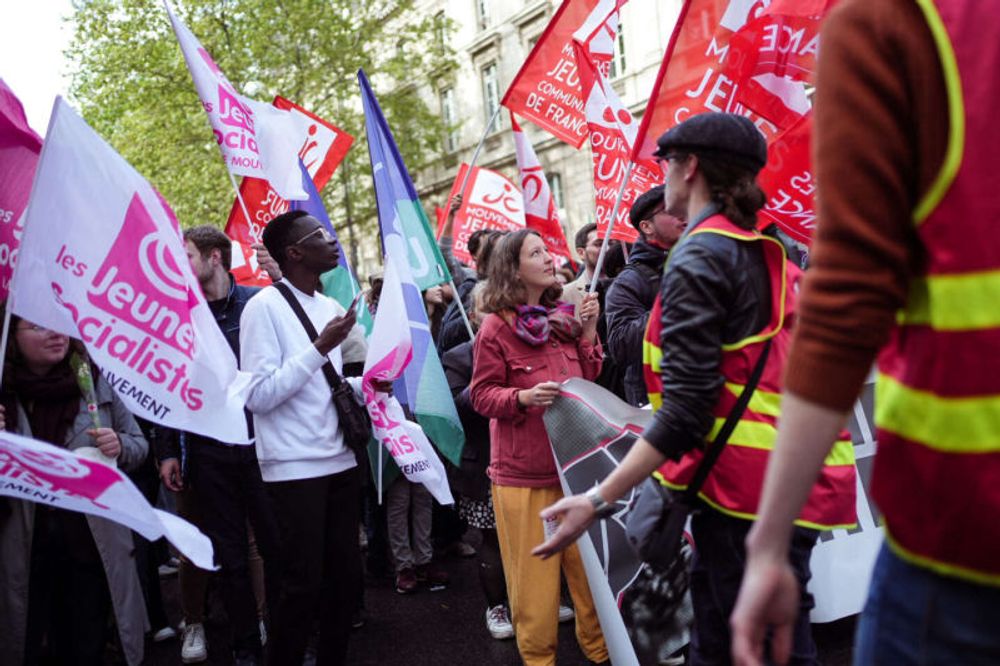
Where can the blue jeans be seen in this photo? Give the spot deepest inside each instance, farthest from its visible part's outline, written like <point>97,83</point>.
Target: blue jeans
<point>915,616</point>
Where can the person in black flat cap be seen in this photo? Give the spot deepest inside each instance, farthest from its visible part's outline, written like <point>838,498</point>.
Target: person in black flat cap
<point>719,320</point>
<point>630,297</point>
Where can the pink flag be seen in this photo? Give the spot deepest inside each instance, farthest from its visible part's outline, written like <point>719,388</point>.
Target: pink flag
<point>547,87</point>
<point>102,260</point>
<point>489,201</point>
<point>539,206</point>
<point>256,139</point>
<point>612,131</point>
<point>19,149</point>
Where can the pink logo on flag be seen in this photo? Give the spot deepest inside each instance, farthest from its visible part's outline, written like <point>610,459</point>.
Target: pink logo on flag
<point>141,284</point>
<point>61,473</point>
<point>234,113</point>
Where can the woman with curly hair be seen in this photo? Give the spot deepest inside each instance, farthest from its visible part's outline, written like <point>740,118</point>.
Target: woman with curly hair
<point>526,346</point>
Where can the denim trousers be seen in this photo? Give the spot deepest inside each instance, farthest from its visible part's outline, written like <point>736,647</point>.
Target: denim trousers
<point>915,616</point>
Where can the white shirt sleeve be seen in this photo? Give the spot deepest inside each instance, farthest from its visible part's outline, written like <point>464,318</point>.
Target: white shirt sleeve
<point>273,381</point>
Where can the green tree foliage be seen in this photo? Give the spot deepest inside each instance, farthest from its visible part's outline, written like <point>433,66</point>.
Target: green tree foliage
<point>131,84</point>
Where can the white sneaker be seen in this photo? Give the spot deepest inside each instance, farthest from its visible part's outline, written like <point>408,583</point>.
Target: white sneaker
<point>498,622</point>
<point>164,634</point>
<point>263,633</point>
<point>194,647</point>
<point>566,613</point>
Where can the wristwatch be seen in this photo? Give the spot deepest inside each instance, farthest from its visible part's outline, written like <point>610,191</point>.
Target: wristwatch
<point>601,508</point>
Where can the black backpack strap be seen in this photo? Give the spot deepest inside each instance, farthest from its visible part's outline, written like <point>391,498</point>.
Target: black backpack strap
<point>715,448</point>
<point>332,376</point>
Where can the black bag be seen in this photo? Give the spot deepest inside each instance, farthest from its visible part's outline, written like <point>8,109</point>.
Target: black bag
<point>655,524</point>
<point>351,413</point>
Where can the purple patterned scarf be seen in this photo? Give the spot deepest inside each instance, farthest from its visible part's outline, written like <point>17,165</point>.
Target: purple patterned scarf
<point>533,323</point>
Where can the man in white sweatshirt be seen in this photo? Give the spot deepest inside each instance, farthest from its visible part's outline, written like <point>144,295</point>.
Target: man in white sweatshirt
<point>310,474</point>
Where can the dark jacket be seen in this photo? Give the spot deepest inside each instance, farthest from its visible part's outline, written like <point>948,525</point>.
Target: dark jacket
<point>627,306</point>
<point>227,312</point>
<point>452,331</point>
<point>470,480</point>
<point>715,291</point>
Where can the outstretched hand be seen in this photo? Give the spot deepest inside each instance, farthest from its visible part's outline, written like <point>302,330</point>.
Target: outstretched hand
<point>575,514</point>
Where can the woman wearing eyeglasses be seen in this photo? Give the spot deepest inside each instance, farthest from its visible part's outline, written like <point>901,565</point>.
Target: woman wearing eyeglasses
<point>62,572</point>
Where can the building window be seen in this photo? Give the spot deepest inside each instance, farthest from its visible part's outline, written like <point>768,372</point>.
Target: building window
<point>491,96</point>
<point>440,35</point>
<point>450,116</point>
<point>483,13</point>
<point>618,57</point>
<point>555,184</point>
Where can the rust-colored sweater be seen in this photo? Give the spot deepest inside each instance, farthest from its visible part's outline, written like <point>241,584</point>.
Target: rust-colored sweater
<point>880,128</point>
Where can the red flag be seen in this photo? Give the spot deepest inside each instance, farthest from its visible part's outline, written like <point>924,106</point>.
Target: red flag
<point>323,147</point>
<point>789,182</point>
<point>489,201</point>
<point>773,55</point>
<point>539,205</point>
<point>612,131</point>
<point>441,215</point>
<point>19,150</point>
<point>726,55</point>
<point>547,88</point>
<point>690,80</point>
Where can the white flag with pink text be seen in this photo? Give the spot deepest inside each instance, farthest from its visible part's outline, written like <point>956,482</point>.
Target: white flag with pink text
<point>50,475</point>
<point>102,260</point>
<point>390,350</point>
<point>256,139</point>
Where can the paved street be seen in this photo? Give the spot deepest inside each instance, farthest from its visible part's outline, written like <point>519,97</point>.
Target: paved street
<point>431,628</point>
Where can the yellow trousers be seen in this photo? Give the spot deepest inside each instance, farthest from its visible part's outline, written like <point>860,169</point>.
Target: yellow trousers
<point>533,583</point>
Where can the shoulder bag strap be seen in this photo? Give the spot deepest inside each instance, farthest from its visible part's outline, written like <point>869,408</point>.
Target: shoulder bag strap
<point>715,449</point>
<point>332,377</point>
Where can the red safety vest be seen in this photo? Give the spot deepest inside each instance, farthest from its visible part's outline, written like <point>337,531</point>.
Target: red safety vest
<point>937,401</point>
<point>735,482</point>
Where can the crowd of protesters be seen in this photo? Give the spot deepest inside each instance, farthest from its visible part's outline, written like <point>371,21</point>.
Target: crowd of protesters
<point>699,314</point>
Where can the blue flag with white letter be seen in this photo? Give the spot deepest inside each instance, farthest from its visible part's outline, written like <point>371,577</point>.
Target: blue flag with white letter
<point>406,238</point>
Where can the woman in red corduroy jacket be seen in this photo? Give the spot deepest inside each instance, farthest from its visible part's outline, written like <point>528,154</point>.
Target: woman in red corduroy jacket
<point>525,348</point>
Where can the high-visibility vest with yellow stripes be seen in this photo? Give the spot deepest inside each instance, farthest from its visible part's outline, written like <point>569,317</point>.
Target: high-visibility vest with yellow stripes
<point>735,482</point>
<point>937,400</point>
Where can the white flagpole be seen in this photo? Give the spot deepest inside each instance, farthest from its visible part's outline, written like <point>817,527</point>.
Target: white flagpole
<point>465,181</point>
<point>475,153</point>
<point>611,224</point>
<point>239,197</point>
<point>4,336</point>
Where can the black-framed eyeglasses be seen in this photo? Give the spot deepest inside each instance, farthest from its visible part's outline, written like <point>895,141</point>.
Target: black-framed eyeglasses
<point>324,234</point>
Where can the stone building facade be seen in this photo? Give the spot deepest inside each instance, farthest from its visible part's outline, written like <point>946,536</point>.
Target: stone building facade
<point>492,38</point>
